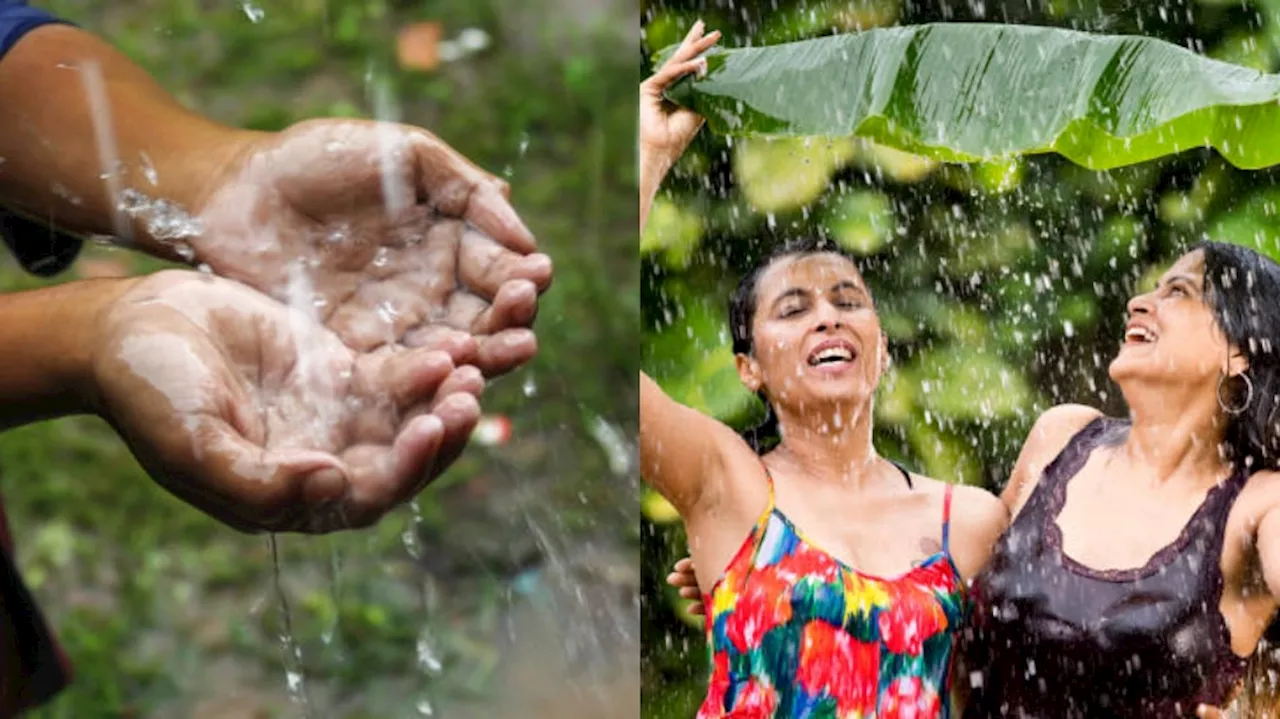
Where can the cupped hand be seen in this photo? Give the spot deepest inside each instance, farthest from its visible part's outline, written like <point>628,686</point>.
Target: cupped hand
<point>384,230</point>
<point>266,420</point>
<point>666,130</point>
<point>685,579</point>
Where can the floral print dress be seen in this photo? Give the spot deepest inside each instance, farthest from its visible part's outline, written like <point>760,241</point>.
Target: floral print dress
<point>794,632</point>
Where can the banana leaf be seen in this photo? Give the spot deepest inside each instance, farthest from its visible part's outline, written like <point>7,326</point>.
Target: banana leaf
<point>962,92</point>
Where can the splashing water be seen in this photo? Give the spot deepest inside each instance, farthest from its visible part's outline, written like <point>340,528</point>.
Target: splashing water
<point>253,12</point>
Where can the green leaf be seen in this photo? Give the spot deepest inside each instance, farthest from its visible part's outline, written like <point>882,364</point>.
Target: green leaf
<point>961,92</point>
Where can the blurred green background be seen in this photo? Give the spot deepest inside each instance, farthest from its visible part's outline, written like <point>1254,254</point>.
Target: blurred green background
<point>1002,287</point>
<point>516,594</point>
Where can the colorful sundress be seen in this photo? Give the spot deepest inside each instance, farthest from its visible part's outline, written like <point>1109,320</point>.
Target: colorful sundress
<point>795,633</point>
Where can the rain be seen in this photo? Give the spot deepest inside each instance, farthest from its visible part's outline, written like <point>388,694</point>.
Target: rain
<point>508,588</point>
<point>1001,284</point>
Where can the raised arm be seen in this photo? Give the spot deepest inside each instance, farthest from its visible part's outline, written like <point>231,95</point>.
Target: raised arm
<point>682,451</point>
<point>666,131</point>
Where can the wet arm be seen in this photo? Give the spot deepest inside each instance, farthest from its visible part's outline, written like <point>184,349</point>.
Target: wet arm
<point>681,450</point>
<point>49,141</point>
<point>1268,540</point>
<point>653,169</point>
<point>49,335</point>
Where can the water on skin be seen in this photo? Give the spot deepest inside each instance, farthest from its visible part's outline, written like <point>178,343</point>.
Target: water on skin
<point>104,134</point>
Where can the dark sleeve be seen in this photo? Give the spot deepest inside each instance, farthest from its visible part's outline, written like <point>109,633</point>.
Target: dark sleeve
<point>40,247</point>
<point>17,18</point>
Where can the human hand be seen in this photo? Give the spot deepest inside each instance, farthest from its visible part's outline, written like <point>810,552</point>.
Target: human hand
<point>266,420</point>
<point>386,231</point>
<point>1204,711</point>
<point>685,579</point>
<point>666,130</point>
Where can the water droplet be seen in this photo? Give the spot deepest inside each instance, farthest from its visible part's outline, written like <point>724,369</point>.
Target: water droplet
<point>254,12</point>
<point>205,268</point>
<point>530,386</point>
<point>382,257</point>
<point>387,312</point>
<point>149,170</point>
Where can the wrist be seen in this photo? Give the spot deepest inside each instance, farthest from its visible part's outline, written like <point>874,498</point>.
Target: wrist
<point>55,335</point>
<point>164,199</point>
<point>87,307</point>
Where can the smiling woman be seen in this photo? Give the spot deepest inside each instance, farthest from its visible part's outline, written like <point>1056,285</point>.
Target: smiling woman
<point>856,613</point>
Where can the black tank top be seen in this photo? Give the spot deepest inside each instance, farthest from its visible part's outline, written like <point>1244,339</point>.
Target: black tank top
<point>1050,637</point>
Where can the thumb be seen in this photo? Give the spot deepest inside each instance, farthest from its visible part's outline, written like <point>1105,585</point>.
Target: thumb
<point>262,487</point>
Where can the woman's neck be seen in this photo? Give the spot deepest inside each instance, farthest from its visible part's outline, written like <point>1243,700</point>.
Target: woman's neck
<point>837,447</point>
<point>1177,435</point>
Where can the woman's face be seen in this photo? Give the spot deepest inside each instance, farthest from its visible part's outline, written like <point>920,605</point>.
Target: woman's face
<point>1172,335</point>
<point>816,335</point>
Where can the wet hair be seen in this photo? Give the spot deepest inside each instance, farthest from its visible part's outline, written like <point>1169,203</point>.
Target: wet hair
<point>742,314</point>
<point>1241,287</point>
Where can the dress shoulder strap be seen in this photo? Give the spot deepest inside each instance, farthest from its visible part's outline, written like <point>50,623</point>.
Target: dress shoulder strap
<point>946,519</point>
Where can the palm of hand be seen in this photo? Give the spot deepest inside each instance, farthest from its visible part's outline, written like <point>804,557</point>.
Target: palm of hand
<point>375,228</point>
<point>267,420</point>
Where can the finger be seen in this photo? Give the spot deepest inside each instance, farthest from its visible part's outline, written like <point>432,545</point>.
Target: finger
<point>684,579</point>
<point>458,188</point>
<point>674,71</point>
<point>694,43</point>
<point>263,487</point>
<point>459,414</point>
<point>405,377</point>
<point>505,351</point>
<point>382,476</point>
<point>463,380</point>
<point>690,592</point>
<point>1205,711</point>
<point>488,209</point>
<point>460,345</point>
<point>685,565</point>
<point>516,305</point>
<point>698,609</point>
<point>484,265</point>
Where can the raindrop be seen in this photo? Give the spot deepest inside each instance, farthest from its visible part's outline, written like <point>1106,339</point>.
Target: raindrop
<point>254,13</point>
<point>530,386</point>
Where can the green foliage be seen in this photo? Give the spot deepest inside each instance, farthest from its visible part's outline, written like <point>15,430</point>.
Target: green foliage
<point>965,92</point>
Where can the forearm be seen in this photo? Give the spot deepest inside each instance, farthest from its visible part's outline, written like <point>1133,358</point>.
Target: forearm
<point>653,169</point>
<point>51,121</point>
<point>49,335</point>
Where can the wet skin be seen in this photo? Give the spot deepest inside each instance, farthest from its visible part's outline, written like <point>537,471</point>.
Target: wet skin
<point>1130,501</point>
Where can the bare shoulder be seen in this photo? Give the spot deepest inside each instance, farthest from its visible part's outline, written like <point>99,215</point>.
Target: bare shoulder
<point>978,518</point>
<point>1049,435</point>
<point>1057,425</point>
<point>1261,495</point>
